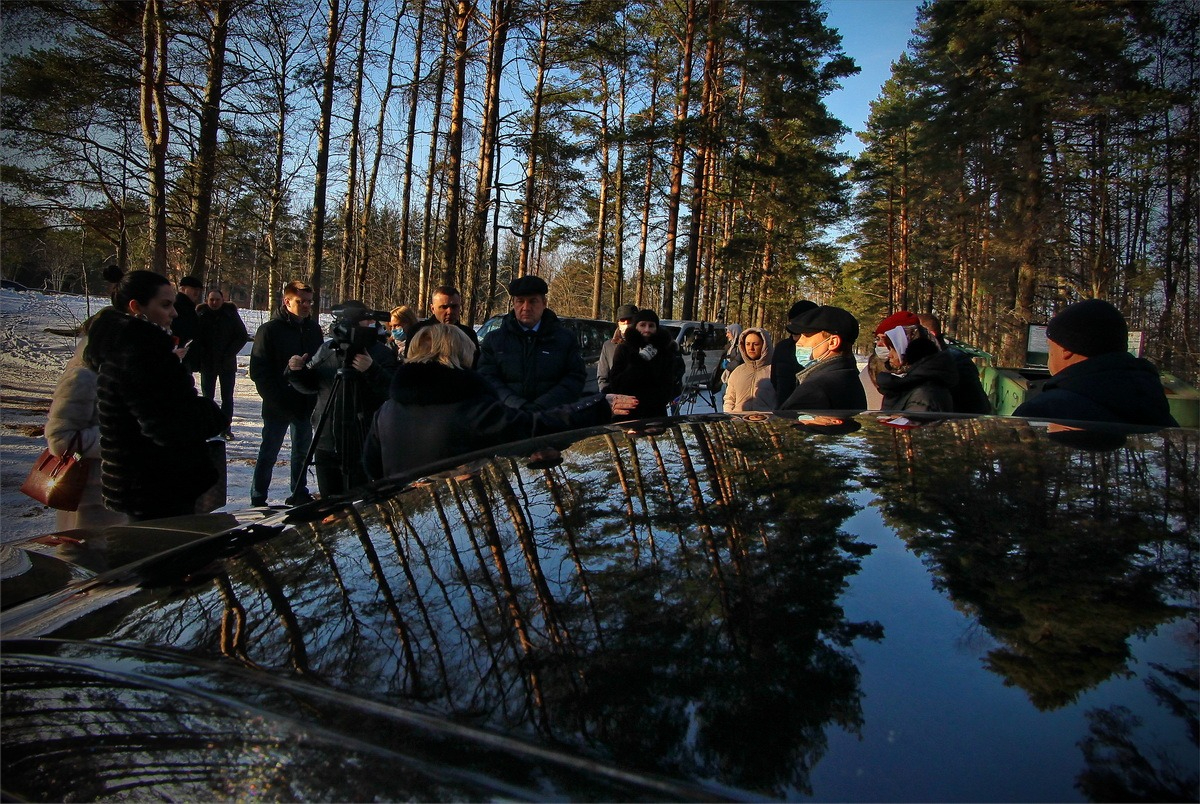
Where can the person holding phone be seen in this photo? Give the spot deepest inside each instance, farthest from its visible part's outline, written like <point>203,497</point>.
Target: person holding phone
<point>153,424</point>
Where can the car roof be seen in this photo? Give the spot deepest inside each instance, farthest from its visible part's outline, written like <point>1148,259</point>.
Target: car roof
<point>784,605</point>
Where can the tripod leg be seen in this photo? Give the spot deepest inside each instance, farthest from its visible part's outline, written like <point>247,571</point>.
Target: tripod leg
<point>320,428</point>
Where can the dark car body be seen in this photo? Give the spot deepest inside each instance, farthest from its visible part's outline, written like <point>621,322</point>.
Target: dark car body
<point>834,608</point>
<point>591,333</point>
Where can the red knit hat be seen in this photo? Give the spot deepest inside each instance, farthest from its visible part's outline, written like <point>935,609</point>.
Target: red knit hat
<point>901,319</point>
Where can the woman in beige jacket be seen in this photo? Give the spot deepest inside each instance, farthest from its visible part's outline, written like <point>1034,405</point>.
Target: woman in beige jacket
<point>72,411</point>
<point>749,385</point>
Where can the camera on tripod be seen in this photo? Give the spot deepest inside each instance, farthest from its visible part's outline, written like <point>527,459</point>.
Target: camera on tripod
<point>347,332</point>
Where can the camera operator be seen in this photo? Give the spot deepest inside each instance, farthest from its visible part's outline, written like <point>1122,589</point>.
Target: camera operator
<point>350,374</point>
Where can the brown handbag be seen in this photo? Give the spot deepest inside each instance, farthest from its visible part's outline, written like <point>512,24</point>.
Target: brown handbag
<point>58,480</point>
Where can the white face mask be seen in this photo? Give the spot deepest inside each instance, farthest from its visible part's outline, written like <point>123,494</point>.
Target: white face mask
<point>882,352</point>
<point>804,354</point>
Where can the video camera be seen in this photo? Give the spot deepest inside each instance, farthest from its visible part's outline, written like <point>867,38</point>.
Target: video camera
<point>349,335</point>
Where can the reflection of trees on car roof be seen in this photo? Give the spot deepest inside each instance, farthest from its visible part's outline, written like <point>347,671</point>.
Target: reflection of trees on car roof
<point>1047,553</point>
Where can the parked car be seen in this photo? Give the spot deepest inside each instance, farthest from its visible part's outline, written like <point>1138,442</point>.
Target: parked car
<point>591,332</point>
<point>713,607</point>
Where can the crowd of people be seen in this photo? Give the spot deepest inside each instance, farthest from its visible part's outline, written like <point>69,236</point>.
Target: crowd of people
<point>388,392</point>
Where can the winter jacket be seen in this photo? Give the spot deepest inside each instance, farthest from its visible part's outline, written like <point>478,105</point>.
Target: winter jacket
<point>533,370</point>
<point>968,393</point>
<point>73,411</point>
<point>784,367</point>
<point>184,327</point>
<point>730,359</point>
<point>604,365</point>
<point>436,412</point>
<point>360,395</point>
<point>749,384</point>
<point>1115,387</point>
<point>275,343</point>
<point>652,381</point>
<point>925,387</point>
<point>220,335</point>
<point>153,424</point>
<point>828,384</point>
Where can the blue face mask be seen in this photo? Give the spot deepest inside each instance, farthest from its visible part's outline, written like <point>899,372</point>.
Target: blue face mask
<point>398,335</point>
<point>804,354</point>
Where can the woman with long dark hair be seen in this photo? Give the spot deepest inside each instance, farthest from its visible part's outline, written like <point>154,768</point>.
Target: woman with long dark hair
<point>153,424</point>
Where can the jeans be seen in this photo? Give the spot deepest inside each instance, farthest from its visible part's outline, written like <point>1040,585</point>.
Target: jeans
<point>272,441</point>
<point>208,385</point>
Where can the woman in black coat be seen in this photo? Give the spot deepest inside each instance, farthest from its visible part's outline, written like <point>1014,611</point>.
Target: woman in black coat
<point>439,407</point>
<point>153,425</point>
<point>644,366</point>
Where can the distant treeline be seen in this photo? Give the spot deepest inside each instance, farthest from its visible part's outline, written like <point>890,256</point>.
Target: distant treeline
<point>678,156</point>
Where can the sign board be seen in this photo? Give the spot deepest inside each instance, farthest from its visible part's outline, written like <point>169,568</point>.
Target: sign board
<point>1037,349</point>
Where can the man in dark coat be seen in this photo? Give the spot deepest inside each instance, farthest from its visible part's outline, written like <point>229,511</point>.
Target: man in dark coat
<point>532,361</point>
<point>968,393</point>
<point>290,333</point>
<point>186,319</point>
<point>220,335</point>
<point>828,376</point>
<point>445,307</point>
<point>1095,378</point>
<point>783,358</point>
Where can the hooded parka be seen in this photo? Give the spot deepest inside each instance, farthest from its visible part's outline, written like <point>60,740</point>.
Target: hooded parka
<point>749,384</point>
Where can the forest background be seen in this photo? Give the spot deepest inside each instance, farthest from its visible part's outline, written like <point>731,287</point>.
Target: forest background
<point>678,155</point>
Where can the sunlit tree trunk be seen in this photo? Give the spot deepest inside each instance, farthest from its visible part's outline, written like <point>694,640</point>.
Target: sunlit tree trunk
<point>350,284</point>
<point>450,254</point>
<point>430,228</point>
<point>155,129</point>
<point>206,152</point>
<point>316,238</point>
<point>677,159</point>
<point>531,164</point>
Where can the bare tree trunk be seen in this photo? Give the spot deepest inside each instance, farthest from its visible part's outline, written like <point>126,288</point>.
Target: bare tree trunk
<point>648,185</point>
<point>350,285</point>
<point>488,145</point>
<point>317,229</point>
<point>206,153</point>
<point>429,231</point>
<point>462,18</point>
<point>602,210</point>
<point>677,160</point>
<point>527,215</point>
<point>704,156</point>
<point>155,130</point>
<point>409,143</point>
<point>619,186</point>
<point>364,217</point>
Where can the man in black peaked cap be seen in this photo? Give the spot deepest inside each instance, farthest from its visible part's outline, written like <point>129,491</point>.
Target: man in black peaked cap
<point>532,361</point>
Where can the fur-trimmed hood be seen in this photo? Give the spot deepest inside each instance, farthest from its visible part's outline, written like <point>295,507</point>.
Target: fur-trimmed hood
<point>768,348</point>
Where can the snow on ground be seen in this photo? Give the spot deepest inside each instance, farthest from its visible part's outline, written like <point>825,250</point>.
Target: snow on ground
<point>33,353</point>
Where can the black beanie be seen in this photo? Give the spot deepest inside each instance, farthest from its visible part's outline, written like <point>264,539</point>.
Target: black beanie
<point>800,307</point>
<point>646,315</point>
<point>1089,328</point>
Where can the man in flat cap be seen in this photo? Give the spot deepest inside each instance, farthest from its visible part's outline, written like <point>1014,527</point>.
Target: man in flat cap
<point>532,361</point>
<point>1095,378</point>
<point>828,377</point>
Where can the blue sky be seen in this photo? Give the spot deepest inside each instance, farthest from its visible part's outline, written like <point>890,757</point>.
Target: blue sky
<point>874,33</point>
